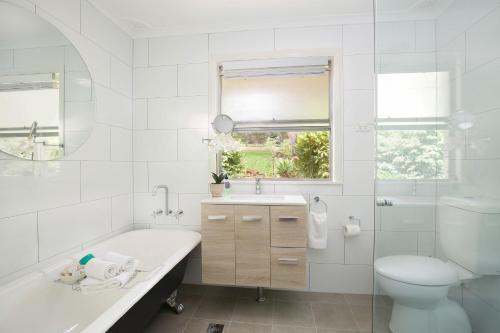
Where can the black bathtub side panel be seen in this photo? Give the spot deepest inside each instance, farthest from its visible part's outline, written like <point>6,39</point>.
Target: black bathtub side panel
<point>137,317</point>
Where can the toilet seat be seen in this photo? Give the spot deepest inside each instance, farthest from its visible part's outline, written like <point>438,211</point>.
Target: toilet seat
<point>416,270</point>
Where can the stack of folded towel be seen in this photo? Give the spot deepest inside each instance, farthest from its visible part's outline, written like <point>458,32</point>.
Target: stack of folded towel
<point>113,271</point>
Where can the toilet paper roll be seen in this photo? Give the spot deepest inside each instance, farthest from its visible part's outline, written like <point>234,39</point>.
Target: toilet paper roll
<point>351,230</point>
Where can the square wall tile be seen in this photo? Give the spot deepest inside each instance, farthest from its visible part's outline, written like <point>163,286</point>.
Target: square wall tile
<point>181,176</point>
<point>121,77</point>
<point>191,205</point>
<point>27,186</point>
<point>425,36</point>
<point>105,179</point>
<point>396,243</point>
<point>358,39</point>
<point>96,147</point>
<point>113,108</point>
<point>190,146</point>
<point>359,177</point>
<point>359,249</point>
<point>359,72</point>
<point>178,112</point>
<point>359,107</point>
<point>18,243</point>
<point>140,114</point>
<point>173,50</point>
<point>141,52</point>
<point>395,37</point>
<point>155,82</point>
<point>309,38</point>
<point>333,254</point>
<point>122,211</point>
<point>64,228</point>
<point>141,177</point>
<point>121,144</point>
<point>359,143</point>
<point>155,145</point>
<point>193,80</point>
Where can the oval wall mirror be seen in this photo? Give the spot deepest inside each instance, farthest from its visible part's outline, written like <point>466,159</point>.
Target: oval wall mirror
<point>46,92</point>
<point>223,124</point>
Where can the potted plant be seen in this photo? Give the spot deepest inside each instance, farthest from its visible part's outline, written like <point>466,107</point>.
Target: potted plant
<point>217,187</point>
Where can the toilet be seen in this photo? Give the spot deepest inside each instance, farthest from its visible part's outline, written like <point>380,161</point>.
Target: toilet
<point>469,234</point>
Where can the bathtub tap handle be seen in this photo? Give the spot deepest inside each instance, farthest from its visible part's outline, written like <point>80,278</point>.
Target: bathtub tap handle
<point>156,212</point>
<point>178,213</point>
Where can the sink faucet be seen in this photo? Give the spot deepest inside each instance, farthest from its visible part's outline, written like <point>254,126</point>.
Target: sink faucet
<point>257,186</point>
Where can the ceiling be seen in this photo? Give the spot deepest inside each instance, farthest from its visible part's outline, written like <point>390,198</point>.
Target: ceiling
<point>163,17</point>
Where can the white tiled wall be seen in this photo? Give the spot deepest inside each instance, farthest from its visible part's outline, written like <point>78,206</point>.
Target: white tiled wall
<point>171,116</point>
<point>468,49</point>
<point>47,208</point>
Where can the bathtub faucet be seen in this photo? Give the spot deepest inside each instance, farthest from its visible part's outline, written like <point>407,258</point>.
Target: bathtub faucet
<point>166,211</point>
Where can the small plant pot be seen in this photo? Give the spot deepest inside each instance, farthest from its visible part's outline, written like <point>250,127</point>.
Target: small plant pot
<point>217,190</point>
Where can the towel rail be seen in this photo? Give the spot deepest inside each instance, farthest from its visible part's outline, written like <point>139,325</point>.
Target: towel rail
<point>317,200</point>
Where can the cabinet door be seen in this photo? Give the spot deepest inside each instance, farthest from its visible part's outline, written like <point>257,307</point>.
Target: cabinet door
<point>288,268</point>
<point>288,226</point>
<point>217,246</point>
<point>252,246</point>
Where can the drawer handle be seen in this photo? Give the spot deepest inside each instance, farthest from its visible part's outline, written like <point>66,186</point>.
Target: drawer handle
<point>251,218</point>
<point>217,217</point>
<point>288,218</point>
<point>288,261</point>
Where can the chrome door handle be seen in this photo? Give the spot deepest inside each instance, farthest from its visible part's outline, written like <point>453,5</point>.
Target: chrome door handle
<point>288,261</point>
<point>217,217</point>
<point>251,218</point>
<point>288,218</point>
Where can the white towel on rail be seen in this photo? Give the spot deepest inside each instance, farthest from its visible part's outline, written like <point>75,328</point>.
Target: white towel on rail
<point>318,230</point>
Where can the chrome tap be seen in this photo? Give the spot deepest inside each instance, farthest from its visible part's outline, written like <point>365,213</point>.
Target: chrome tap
<point>167,211</point>
<point>257,186</point>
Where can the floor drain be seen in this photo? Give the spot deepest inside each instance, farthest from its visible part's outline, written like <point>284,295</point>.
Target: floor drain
<point>215,328</point>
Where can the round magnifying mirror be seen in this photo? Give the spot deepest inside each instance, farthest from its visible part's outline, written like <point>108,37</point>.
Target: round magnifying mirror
<point>223,124</point>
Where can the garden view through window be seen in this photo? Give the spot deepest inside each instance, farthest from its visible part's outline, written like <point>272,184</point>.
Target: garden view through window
<point>281,111</point>
<point>412,134</point>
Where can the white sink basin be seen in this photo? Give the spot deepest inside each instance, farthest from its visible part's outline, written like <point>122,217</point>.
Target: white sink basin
<point>257,199</point>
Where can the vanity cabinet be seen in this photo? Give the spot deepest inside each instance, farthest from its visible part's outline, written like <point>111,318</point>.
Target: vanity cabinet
<point>254,245</point>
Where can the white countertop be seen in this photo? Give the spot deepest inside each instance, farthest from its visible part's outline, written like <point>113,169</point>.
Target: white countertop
<point>258,199</point>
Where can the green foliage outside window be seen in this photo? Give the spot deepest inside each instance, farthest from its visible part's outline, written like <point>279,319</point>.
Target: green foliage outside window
<point>292,155</point>
<point>411,154</point>
<point>313,154</point>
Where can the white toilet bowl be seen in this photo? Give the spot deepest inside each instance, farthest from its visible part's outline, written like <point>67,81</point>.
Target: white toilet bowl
<point>419,287</point>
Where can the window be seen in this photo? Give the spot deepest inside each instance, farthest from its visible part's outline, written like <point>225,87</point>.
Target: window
<point>281,109</point>
<point>31,112</point>
<point>411,135</point>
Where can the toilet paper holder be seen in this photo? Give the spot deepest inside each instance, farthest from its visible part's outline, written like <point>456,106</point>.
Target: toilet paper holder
<point>355,219</point>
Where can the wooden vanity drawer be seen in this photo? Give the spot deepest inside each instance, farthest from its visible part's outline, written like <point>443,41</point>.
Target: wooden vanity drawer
<point>289,226</point>
<point>252,246</point>
<point>288,268</point>
<point>218,244</point>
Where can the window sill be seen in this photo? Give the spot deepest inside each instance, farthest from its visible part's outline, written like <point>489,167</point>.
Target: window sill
<point>288,182</point>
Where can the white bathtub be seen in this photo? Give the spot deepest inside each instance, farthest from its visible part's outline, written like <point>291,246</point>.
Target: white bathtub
<point>35,303</point>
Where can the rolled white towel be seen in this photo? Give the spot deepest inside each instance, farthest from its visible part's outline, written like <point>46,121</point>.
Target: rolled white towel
<point>101,269</point>
<point>125,263</point>
<point>94,286</point>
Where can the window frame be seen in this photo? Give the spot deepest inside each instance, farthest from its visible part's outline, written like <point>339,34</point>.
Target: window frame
<point>335,108</point>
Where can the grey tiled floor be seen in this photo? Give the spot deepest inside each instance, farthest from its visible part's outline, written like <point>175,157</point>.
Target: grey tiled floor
<point>283,312</point>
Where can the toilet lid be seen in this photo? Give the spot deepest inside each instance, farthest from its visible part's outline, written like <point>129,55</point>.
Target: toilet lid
<point>424,271</point>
